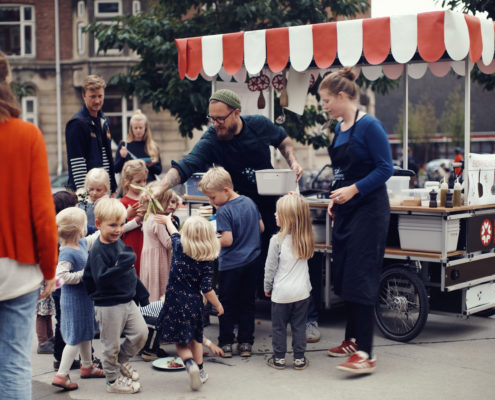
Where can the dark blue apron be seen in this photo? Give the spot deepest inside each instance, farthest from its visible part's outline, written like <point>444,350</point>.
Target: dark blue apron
<point>360,229</point>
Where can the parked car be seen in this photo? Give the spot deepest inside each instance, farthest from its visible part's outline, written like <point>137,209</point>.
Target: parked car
<point>59,182</point>
<point>433,168</point>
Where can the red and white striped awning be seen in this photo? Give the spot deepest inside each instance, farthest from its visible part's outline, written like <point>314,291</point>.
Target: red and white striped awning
<point>436,40</point>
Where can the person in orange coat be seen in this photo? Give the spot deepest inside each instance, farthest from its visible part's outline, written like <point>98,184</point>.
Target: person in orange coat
<point>28,239</point>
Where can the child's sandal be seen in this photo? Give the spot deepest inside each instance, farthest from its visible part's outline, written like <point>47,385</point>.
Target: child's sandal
<point>64,382</point>
<point>92,372</point>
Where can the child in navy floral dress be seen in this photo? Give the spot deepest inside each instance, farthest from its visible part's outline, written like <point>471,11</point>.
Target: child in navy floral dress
<point>191,272</point>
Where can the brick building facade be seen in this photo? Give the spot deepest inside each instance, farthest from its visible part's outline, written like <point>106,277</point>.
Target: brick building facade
<point>27,36</point>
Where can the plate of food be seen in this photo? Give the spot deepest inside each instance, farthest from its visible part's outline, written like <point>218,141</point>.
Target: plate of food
<point>169,363</point>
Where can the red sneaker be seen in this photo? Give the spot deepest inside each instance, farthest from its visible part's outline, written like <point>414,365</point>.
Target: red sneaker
<point>64,382</point>
<point>358,363</point>
<point>346,349</point>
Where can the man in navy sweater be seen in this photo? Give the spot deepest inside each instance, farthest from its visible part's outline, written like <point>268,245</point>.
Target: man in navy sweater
<point>87,136</point>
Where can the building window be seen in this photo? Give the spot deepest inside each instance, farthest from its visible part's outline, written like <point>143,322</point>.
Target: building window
<point>81,39</point>
<point>17,30</point>
<point>80,9</point>
<point>30,109</point>
<point>115,51</point>
<point>106,9</point>
<point>136,7</point>
<point>119,111</point>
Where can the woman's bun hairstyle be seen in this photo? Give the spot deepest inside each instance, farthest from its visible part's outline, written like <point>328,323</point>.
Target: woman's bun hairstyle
<point>348,73</point>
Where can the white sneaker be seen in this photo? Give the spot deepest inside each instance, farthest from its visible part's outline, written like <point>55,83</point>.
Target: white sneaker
<point>123,385</point>
<point>128,371</point>
<point>312,332</point>
<point>194,375</point>
<point>203,375</point>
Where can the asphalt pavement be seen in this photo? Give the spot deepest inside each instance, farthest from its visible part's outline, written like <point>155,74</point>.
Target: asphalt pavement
<point>452,358</point>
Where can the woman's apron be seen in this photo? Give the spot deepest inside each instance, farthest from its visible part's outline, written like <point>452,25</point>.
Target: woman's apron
<point>360,229</point>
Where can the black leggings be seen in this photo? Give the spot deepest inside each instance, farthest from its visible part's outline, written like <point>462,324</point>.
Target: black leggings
<point>360,324</point>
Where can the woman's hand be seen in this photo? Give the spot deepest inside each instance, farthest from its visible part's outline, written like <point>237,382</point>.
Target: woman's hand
<point>123,151</point>
<point>268,294</point>
<point>343,194</point>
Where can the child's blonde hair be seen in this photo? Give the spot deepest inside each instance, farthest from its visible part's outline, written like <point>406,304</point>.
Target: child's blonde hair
<point>109,209</point>
<point>294,218</point>
<point>97,175</point>
<point>130,169</point>
<point>199,240</point>
<point>215,179</point>
<point>150,145</point>
<point>72,224</point>
<point>163,198</point>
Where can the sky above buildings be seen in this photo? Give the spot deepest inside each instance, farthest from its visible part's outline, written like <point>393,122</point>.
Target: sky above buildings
<point>381,8</point>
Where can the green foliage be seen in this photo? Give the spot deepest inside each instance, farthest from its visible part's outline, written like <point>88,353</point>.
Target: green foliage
<point>473,6</point>
<point>21,90</point>
<point>422,121</point>
<point>154,79</point>
<point>452,119</point>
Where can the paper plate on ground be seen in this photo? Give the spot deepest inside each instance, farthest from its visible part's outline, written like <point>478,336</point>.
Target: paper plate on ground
<point>169,364</point>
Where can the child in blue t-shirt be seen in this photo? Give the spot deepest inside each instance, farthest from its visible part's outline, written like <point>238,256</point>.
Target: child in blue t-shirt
<point>240,226</point>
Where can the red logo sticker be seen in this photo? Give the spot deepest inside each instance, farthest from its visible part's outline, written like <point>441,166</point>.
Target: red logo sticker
<point>486,232</point>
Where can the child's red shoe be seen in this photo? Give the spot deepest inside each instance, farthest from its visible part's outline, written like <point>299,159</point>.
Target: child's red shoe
<point>64,382</point>
<point>92,372</point>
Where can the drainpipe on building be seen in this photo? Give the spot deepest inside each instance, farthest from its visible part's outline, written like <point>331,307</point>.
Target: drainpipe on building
<point>58,85</point>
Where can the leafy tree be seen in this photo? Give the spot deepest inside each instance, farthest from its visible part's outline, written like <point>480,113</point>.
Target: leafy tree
<point>155,79</point>
<point>421,123</point>
<point>474,6</point>
<point>452,119</point>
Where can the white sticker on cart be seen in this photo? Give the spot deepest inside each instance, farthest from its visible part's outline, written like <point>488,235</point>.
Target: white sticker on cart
<point>480,295</point>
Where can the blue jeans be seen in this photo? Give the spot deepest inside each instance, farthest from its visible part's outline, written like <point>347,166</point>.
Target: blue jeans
<point>16,341</point>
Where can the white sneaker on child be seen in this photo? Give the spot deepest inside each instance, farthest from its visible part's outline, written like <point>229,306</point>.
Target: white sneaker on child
<point>203,375</point>
<point>128,371</point>
<point>194,375</point>
<point>123,385</point>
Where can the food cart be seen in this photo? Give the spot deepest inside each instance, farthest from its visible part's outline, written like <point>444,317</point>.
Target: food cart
<point>438,259</point>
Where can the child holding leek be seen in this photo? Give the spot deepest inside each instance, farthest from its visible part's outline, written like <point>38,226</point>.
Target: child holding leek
<point>157,246</point>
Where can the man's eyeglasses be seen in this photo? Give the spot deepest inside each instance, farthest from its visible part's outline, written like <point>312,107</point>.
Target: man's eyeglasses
<point>219,120</point>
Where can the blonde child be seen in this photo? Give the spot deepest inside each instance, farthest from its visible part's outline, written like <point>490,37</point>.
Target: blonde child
<point>191,272</point>
<point>133,173</point>
<point>96,186</point>
<point>77,310</point>
<point>112,283</point>
<point>157,248</point>
<point>139,145</point>
<point>287,279</point>
<point>240,225</point>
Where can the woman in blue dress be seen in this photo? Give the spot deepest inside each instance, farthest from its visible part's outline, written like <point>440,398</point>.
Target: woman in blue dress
<point>191,271</point>
<point>362,163</point>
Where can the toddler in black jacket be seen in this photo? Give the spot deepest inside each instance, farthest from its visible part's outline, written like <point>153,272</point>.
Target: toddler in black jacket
<point>112,283</point>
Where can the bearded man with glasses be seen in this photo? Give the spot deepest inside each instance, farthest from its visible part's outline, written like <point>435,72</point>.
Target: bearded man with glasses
<point>241,144</point>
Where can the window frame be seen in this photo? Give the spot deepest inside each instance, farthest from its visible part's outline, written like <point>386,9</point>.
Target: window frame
<point>108,15</point>
<point>81,38</point>
<point>33,115</point>
<point>22,23</point>
<point>109,52</point>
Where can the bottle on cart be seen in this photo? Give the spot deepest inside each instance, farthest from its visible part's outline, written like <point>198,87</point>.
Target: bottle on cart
<point>433,199</point>
<point>457,193</point>
<point>444,187</point>
<point>449,203</point>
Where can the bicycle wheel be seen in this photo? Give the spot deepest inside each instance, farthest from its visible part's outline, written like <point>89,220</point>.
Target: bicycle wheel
<point>402,307</point>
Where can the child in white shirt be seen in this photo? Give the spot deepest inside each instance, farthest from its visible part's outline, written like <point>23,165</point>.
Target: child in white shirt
<point>287,279</point>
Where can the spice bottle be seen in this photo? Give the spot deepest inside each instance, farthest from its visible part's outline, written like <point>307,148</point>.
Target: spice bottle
<point>457,193</point>
<point>444,187</point>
